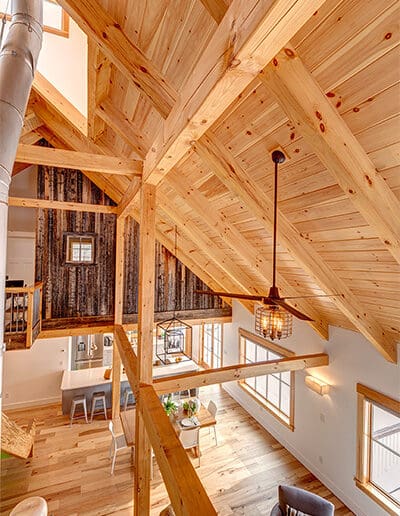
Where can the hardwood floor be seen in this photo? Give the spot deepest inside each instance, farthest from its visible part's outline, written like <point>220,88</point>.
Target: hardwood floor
<point>71,469</point>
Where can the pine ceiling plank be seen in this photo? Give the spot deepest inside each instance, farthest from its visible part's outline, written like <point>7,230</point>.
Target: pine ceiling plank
<point>243,43</point>
<point>228,170</point>
<point>235,240</point>
<point>99,74</point>
<point>326,132</point>
<point>37,155</point>
<point>127,57</point>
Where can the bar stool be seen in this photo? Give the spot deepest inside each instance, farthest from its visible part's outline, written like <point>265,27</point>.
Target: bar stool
<point>78,400</point>
<point>127,394</point>
<point>98,397</point>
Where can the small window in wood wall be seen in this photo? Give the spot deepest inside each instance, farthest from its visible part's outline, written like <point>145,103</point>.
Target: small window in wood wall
<point>275,391</point>
<point>55,19</point>
<point>378,448</point>
<point>212,345</point>
<point>80,249</point>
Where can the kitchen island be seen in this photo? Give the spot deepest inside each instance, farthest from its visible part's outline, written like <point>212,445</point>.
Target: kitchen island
<point>88,381</point>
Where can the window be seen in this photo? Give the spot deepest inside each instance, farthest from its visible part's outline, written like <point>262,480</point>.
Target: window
<point>274,391</point>
<point>80,249</point>
<point>378,461</point>
<point>211,355</point>
<point>55,19</point>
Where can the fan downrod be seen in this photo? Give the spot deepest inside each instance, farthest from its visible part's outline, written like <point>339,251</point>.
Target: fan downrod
<point>278,156</point>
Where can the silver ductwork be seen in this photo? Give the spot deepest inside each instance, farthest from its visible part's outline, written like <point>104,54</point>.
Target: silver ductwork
<point>18,59</point>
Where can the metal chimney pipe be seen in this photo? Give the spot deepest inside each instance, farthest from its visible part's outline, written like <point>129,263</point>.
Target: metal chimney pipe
<point>18,59</point>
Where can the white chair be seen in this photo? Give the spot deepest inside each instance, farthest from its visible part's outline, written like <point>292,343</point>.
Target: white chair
<point>78,400</point>
<point>189,438</point>
<point>118,443</point>
<point>212,409</point>
<point>98,397</point>
<point>33,506</point>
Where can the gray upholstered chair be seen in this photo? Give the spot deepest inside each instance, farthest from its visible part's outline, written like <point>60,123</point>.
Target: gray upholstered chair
<point>304,501</point>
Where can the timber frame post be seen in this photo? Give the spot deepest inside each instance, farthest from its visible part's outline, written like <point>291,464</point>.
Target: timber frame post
<point>145,344</point>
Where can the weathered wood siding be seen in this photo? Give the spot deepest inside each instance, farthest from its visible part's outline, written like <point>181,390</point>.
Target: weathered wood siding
<point>88,290</point>
<point>175,283</point>
<point>73,290</point>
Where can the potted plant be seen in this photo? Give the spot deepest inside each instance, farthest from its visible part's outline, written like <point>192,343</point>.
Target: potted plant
<point>191,407</point>
<point>170,406</point>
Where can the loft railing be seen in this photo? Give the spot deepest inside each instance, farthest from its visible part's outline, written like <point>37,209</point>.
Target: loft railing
<point>23,309</point>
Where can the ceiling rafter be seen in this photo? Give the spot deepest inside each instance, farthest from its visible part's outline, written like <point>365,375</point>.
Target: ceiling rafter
<point>229,171</point>
<point>322,127</point>
<point>237,242</point>
<point>247,38</point>
<point>127,57</point>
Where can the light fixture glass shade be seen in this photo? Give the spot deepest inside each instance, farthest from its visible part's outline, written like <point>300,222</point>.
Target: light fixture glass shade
<point>273,322</point>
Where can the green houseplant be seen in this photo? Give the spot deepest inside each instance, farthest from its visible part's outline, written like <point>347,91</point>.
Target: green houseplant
<point>170,406</point>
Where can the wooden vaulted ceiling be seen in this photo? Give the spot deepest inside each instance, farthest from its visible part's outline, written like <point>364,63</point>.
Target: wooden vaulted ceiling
<point>201,92</point>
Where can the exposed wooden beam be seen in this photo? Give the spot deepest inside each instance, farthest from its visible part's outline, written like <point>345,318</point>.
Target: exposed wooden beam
<point>238,372</point>
<point>125,128</point>
<point>99,74</point>
<point>45,90</point>
<point>237,242</point>
<point>60,205</point>
<point>37,155</point>
<point>321,125</point>
<point>145,344</point>
<point>248,37</point>
<point>130,359</point>
<point>30,138</point>
<point>230,172</point>
<point>184,487</point>
<point>216,8</point>
<point>124,206</point>
<point>31,122</point>
<point>94,20</point>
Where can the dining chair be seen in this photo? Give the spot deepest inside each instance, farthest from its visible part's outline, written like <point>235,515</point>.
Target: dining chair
<point>189,438</point>
<point>212,409</point>
<point>118,443</point>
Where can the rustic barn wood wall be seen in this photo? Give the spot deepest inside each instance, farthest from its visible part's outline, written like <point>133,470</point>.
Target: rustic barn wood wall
<point>88,290</point>
<point>73,290</point>
<point>175,283</point>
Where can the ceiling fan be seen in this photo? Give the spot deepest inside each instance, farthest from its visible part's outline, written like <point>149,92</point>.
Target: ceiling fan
<point>276,314</point>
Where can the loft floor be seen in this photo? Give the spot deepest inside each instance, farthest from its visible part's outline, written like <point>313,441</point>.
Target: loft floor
<point>71,469</point>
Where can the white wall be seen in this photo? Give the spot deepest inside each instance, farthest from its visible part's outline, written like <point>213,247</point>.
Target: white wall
<point>33,376</point>
<point>324,439</point>
<point>63,61</point>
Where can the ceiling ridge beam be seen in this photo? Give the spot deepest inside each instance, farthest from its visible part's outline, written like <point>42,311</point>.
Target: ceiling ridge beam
<point>322,127</point>
<point>38,155</point>
<point>97,23</point>
<point>247,38</point>
<point>230,172</point>
<point>237,242</point>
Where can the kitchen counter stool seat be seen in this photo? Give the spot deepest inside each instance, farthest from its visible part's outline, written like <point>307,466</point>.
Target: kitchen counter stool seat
<point>98,397</point>
<point>78,400</point>
<point>127,394</point>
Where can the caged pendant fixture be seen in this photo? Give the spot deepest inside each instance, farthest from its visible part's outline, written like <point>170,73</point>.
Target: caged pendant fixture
<point>273,321</point>
<point>173,335</point>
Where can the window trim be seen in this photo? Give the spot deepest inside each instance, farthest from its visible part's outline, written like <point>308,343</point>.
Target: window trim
<point>64,31</point>
<point>69,236</point>
<point>287,421</point>
<point>202,362</point>
<point>365,398</point>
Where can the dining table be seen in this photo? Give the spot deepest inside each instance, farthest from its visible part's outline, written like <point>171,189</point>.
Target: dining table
<point>203,418</point>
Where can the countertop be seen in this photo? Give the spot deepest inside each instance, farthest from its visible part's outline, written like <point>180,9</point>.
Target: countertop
<point>95,375</point>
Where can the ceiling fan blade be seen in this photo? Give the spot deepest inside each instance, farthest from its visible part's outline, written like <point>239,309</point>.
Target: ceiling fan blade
<point>229,294</point>
<point>307,297</point>
<point>292,310</point>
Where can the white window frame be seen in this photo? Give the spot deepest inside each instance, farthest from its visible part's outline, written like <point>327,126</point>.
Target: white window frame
<point>366,399</point>
<point>285,418</point>
<point>212,348</point>
<point>78,238</point>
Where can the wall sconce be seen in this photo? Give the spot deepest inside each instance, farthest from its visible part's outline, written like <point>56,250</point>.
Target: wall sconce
<point>317,385</point>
